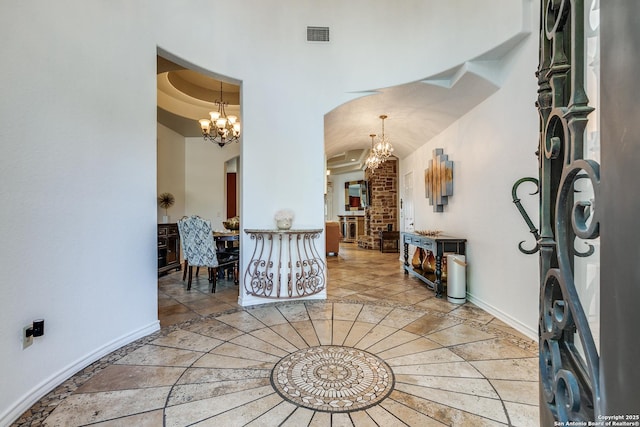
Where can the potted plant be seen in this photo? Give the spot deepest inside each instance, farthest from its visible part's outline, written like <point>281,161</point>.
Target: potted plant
<point>165,201</point>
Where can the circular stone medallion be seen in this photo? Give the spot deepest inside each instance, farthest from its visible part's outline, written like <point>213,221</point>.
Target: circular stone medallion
<point>332,379</point>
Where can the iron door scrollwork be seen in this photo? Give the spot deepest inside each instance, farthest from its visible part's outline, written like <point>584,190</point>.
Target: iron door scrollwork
<point>569,360</point>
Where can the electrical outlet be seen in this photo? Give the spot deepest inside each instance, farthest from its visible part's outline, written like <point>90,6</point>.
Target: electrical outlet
<point>26,340</point>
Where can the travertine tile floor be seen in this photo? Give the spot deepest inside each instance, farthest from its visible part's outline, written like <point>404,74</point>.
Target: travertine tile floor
<point>212,362</point>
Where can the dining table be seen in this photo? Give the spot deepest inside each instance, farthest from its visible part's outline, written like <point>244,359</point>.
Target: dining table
<point>227,246</point>
<point>227,241</point>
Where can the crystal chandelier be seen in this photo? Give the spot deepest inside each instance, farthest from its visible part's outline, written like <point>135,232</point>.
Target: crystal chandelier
<point>220,129</point>
<point>372,161</point>
<point>383,147</point>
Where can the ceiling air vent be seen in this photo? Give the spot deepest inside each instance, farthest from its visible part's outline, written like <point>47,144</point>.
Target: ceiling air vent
<point>317,34</point>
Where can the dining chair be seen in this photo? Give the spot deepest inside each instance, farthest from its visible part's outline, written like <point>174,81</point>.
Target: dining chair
<point>181,232</point>
<point>200,249</point>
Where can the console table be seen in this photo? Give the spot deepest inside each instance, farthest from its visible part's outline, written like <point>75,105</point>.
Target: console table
<point>284,264</point>
<point>439,245</point>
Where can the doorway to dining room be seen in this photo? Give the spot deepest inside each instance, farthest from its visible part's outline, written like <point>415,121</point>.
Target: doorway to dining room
<point>204,177</point>
<point>202,174</point>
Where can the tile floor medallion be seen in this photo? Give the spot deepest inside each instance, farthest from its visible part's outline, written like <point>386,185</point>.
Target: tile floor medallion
<point>379,351</point>
<point>333,379</point>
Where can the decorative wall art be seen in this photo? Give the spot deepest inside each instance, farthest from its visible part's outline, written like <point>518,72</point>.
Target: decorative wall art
<point>438,180</point>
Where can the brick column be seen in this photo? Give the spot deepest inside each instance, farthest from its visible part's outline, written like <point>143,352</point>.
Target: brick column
<point>383,207</point>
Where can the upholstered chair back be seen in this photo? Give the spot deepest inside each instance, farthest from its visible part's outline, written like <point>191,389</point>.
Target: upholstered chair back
<point>197,240</point>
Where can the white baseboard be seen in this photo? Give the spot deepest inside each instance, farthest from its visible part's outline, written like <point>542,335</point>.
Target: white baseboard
<point>514,323</point>
<point>57,378</point>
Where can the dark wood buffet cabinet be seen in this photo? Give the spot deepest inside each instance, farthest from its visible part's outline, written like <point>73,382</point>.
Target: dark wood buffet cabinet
<point>168,248</point>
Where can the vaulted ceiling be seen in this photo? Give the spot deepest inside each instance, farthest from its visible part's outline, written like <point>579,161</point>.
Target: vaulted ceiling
<point>416,112</point>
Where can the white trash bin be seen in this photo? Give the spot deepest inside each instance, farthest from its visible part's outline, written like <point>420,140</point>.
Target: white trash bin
<point>456,279</point>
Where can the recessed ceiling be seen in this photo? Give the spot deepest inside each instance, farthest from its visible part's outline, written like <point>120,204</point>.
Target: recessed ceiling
<point>185,96</point>
<point>348,161</point>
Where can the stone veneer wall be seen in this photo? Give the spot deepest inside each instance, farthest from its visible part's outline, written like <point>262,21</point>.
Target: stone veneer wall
<point>383,207</point>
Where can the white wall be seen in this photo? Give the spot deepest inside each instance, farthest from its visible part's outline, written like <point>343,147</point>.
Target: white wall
<point>78,132</point>
<point>205,184</point>
<point>491,147</point>
<point>78,189</point>
<point>194,171</point>
<point>171,171</point>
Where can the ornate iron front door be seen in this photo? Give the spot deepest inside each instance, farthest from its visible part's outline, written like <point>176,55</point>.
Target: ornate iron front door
<point>568,185</point>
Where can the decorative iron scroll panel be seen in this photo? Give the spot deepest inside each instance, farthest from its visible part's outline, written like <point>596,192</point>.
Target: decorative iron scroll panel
<point>568,187</point>
<point>284,264</point>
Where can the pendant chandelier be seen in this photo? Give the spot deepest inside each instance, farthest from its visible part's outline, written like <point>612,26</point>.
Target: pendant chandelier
<point>220,129</point>
<point>372,161</point>
<point>383,147</point>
